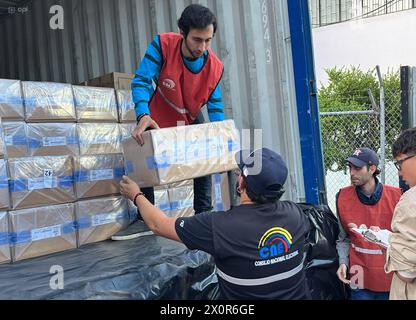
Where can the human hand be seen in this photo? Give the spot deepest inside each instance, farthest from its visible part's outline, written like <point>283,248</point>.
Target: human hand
<point>144,123</point>
<point>128,188</point>
<point>342,273</point>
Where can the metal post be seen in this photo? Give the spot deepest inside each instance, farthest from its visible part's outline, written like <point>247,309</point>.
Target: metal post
<point>382,127</point>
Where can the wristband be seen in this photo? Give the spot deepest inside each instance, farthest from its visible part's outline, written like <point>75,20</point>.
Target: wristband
<point>135,197</point>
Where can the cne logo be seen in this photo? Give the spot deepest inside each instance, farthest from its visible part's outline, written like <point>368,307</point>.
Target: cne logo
<point>275,242</point>
<point>169,84</point>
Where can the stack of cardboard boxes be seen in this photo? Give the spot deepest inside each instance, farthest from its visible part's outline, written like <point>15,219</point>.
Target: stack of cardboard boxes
<point>63,151</point>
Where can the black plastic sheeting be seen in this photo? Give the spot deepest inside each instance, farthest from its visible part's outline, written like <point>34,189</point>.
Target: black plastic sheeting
<point>321,254</point>
<point>144,268</point>
<point>151,267</point>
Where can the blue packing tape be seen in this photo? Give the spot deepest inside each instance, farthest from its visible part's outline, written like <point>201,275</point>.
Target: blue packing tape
<point>4,238</point>
<point>159,162</point>
<point>83,223</point>
<point>11,99</point>
<point>129,166</point>
<point>119,172</point>
<point>83,175</point>
<point>165,206</point>
<point>219,206</point>
<point>4,183</point>
<point>232,145</point>
<point>69,227</point>
<point>17,185</point>
<point>21,237</point>
<point>65,181</point>
<point>217,178</point>
<point>19,140</point>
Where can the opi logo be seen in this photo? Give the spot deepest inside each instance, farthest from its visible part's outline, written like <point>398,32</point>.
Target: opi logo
<point>169,84</point>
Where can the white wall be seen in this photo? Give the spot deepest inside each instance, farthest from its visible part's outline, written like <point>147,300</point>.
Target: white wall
<point>387,40</point>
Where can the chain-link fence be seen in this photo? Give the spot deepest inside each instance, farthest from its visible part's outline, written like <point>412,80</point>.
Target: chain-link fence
<point>345,131</point>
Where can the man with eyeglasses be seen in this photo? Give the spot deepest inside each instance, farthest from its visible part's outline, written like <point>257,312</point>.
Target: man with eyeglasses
<point>401,254</point>
<point>366,203</point>
<point>258,246</point>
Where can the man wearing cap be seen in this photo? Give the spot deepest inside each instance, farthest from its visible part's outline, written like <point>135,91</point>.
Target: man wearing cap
<point>258,246</point>
<point>365,204</point>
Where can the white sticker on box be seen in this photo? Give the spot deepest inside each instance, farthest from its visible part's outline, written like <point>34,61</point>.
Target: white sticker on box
<point>46,233</point>
<point>103,174</point>
<point>101,219</point>
<point>8,140</point>
<point>35,183</point>
<point>53,141</point>
<point>48,178</point>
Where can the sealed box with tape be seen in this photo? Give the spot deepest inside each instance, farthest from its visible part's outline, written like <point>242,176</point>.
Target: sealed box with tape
<point>15,139</point>
<point>103,138</point>
<point>11,100</point>
<point>126,109</point>
<point>41,181</point>
<point>5,255</point>
<point>180,153</point>
<point>40,231</point>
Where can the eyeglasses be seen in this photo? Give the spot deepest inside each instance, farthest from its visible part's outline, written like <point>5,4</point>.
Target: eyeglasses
<point>399,163</point>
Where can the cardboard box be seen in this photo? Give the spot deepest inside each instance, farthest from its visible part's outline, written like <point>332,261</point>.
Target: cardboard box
<point>116,80</point>
<point>40,231</point>
<point>95,104</point>
<point>180,153</point>
<point>126,106</point>
<point>126,129</point>
<point>181,201</point>
<point>11,100</point>
<point>15,139</point>
<point>4,186</point>
<point>52,139</point>
<point>41,181</point>
<point>97,176</point>
<point>220,192</point>
<point>162,200</point>
<point>103,138</point>
<point>5,254</point>
<point>99,219</point>
<point>2,144</point>
<point>48,102</point>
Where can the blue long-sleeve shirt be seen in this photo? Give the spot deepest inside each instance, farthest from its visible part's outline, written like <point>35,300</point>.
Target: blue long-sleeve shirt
<point>149,71</point>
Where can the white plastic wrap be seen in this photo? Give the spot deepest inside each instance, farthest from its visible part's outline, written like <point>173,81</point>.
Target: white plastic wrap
<point>99,219</point>
<point>220,192</point>
<point>126,106</point>
<point>95,104</point>
<point>103,138</point>
<point>126,129</point>
<point>180,153</point>
<point>162,200</point>
<point>40,231</point>
<point>97,176</point>
<point>48,102</point>
<point>15,139</point>
<point>5,255</point>
<point>52,139</point>
<point>2,144</point>
<point>40,181</point>
<point>4,186</point>
<point>11,101</point>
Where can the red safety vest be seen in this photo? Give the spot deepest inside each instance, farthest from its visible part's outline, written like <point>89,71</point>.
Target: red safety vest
<point>363,253</point>
<point>180,93</point>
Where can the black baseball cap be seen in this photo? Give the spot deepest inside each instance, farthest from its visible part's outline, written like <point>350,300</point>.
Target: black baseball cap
<point>362,157</point>
<point>264,170</point>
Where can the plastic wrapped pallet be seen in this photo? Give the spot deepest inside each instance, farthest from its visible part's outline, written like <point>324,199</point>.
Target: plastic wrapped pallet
<point>99,219</point>
<point>48,102</point>
<point>4,186</point>
<point>99,175</point>
<point>126,129</point>
<point>220,192</point>
<point>52,139</point>
<point>40,231</point>
<point>15,139</point>
<point>95,104</point>
<point>11,101</point>
<point>162,200</point>
<point>2,144</point>
<point>5,255</point>
<point>126,106</point>
<point>181,201</point>
<point>99,139</point>
<point>40,181</point>
<point>180,153</point>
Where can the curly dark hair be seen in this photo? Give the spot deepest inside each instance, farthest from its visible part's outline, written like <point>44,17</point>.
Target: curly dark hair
<point>405,143</point>
<point>196,16</point>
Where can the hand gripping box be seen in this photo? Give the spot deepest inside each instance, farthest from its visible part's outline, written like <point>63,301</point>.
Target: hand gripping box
<point>97,176</point>
<point>181,201</point>
<point>99,219</point>
<point>95,104</point>
<point>41,181</point>
<point>5,255</point>
<point>4,186</point>
<point>40,231</point>
<point>15,139</point>
<point>103,138</point>
<point>52,139</point>
<point>48,102</point>
<point>11,100</point>
<point>126,109</point>
<point>220,192</point>
<point>180,153</point>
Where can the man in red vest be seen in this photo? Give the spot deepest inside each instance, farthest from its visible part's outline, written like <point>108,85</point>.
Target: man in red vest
<point>178,75</point>
<point>366,203</point>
